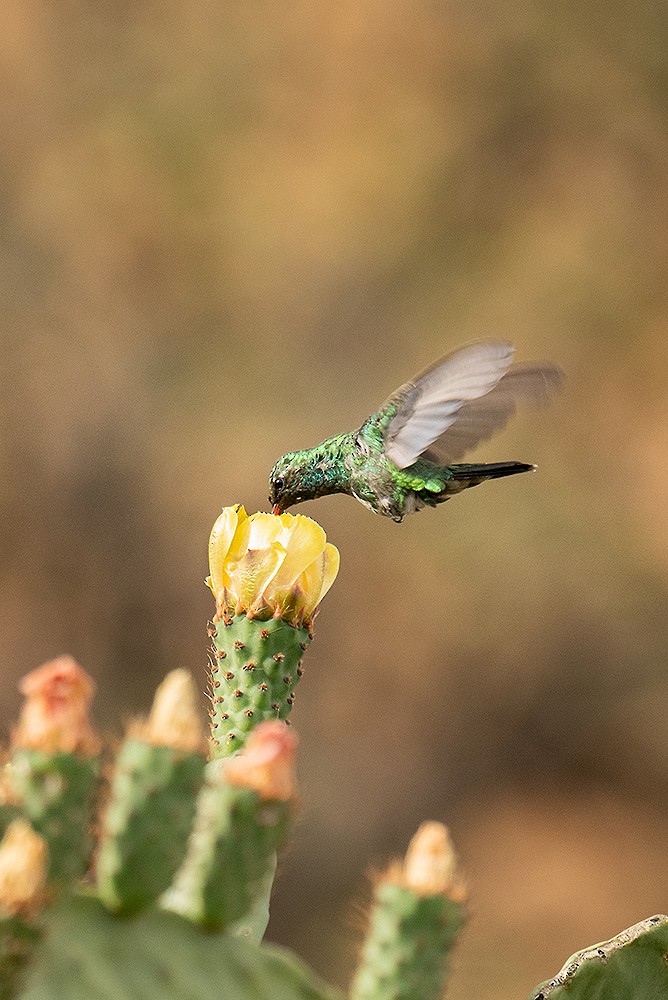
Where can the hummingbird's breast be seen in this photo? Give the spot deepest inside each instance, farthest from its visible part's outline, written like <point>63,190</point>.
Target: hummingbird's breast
<point>372,483</point>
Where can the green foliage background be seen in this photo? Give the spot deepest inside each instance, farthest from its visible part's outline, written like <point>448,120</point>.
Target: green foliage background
<point>229,231</point>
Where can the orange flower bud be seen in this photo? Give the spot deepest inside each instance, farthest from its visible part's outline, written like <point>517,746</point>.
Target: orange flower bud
<point>54,716</point>
<point>267,764</point>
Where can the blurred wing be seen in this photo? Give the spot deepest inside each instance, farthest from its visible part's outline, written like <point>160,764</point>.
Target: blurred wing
<point>479,419</point>
<point>430,404</point>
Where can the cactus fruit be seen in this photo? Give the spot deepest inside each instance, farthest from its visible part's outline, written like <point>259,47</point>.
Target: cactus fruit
<point>268,574</point>
<point>54,765</point>
<point>631,966</point>
<point>417,914</point>
<point>242,818</point>
<point>147,821</point>
<point>256,667</point>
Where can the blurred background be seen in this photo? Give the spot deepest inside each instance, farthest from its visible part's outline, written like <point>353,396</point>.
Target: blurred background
<point>229,231</point>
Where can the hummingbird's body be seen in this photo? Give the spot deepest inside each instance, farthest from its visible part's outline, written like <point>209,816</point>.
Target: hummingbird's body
<point>389,464</point>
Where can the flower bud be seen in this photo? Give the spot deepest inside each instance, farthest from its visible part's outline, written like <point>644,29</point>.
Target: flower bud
<point>23,866</point>
<point>54,717</point>
<point>430,866</point>
<point>267,764</point>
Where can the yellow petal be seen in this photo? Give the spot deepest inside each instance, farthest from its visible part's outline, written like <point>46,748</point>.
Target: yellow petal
<point>253,573</point>
<point>262,562</point>
<point>304,541</point>
<point>239,542</point>
<point>264,530</point>
<point>332,560</point>
<point>237,550</point>
<point>220,541</point>
<point>310,582</point>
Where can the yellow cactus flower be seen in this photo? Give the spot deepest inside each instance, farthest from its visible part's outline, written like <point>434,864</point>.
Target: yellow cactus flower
<point>268,565</point>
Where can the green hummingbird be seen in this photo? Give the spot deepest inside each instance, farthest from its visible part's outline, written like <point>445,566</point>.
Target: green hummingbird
<point>401,458</point>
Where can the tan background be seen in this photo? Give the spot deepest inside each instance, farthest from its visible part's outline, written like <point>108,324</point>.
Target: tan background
<point>229,230</point>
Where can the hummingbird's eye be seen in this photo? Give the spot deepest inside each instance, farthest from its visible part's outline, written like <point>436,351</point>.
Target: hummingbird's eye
<point>279,483</point>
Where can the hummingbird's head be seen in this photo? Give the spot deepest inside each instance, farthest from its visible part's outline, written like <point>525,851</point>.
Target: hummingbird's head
<point>285,486</point>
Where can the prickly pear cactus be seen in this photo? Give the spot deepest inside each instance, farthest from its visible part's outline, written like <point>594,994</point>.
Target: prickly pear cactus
<point>631,966</point>
<point>167,819</point>
<point>156,882</point>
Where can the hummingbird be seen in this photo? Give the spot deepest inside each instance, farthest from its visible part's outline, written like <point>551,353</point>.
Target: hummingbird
<point>403,456</point>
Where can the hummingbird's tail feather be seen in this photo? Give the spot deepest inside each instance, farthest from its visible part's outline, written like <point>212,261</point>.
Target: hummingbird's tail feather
<point>492,470</point>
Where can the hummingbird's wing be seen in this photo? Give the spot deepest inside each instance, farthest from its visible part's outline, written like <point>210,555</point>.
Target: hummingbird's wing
<point>524,384</point>
<point>462,400</point>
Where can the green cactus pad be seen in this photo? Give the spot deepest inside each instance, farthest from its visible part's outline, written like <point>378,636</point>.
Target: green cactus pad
<point>255,669</point>
<point>147,823</point>
<point>631,966</point>
<point>57,793</point>
<point>88,954</point>
<point>230,856</point>
<point>406,950</point>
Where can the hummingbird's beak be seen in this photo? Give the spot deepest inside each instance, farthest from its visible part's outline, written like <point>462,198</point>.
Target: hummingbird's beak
<point>276,509</point>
